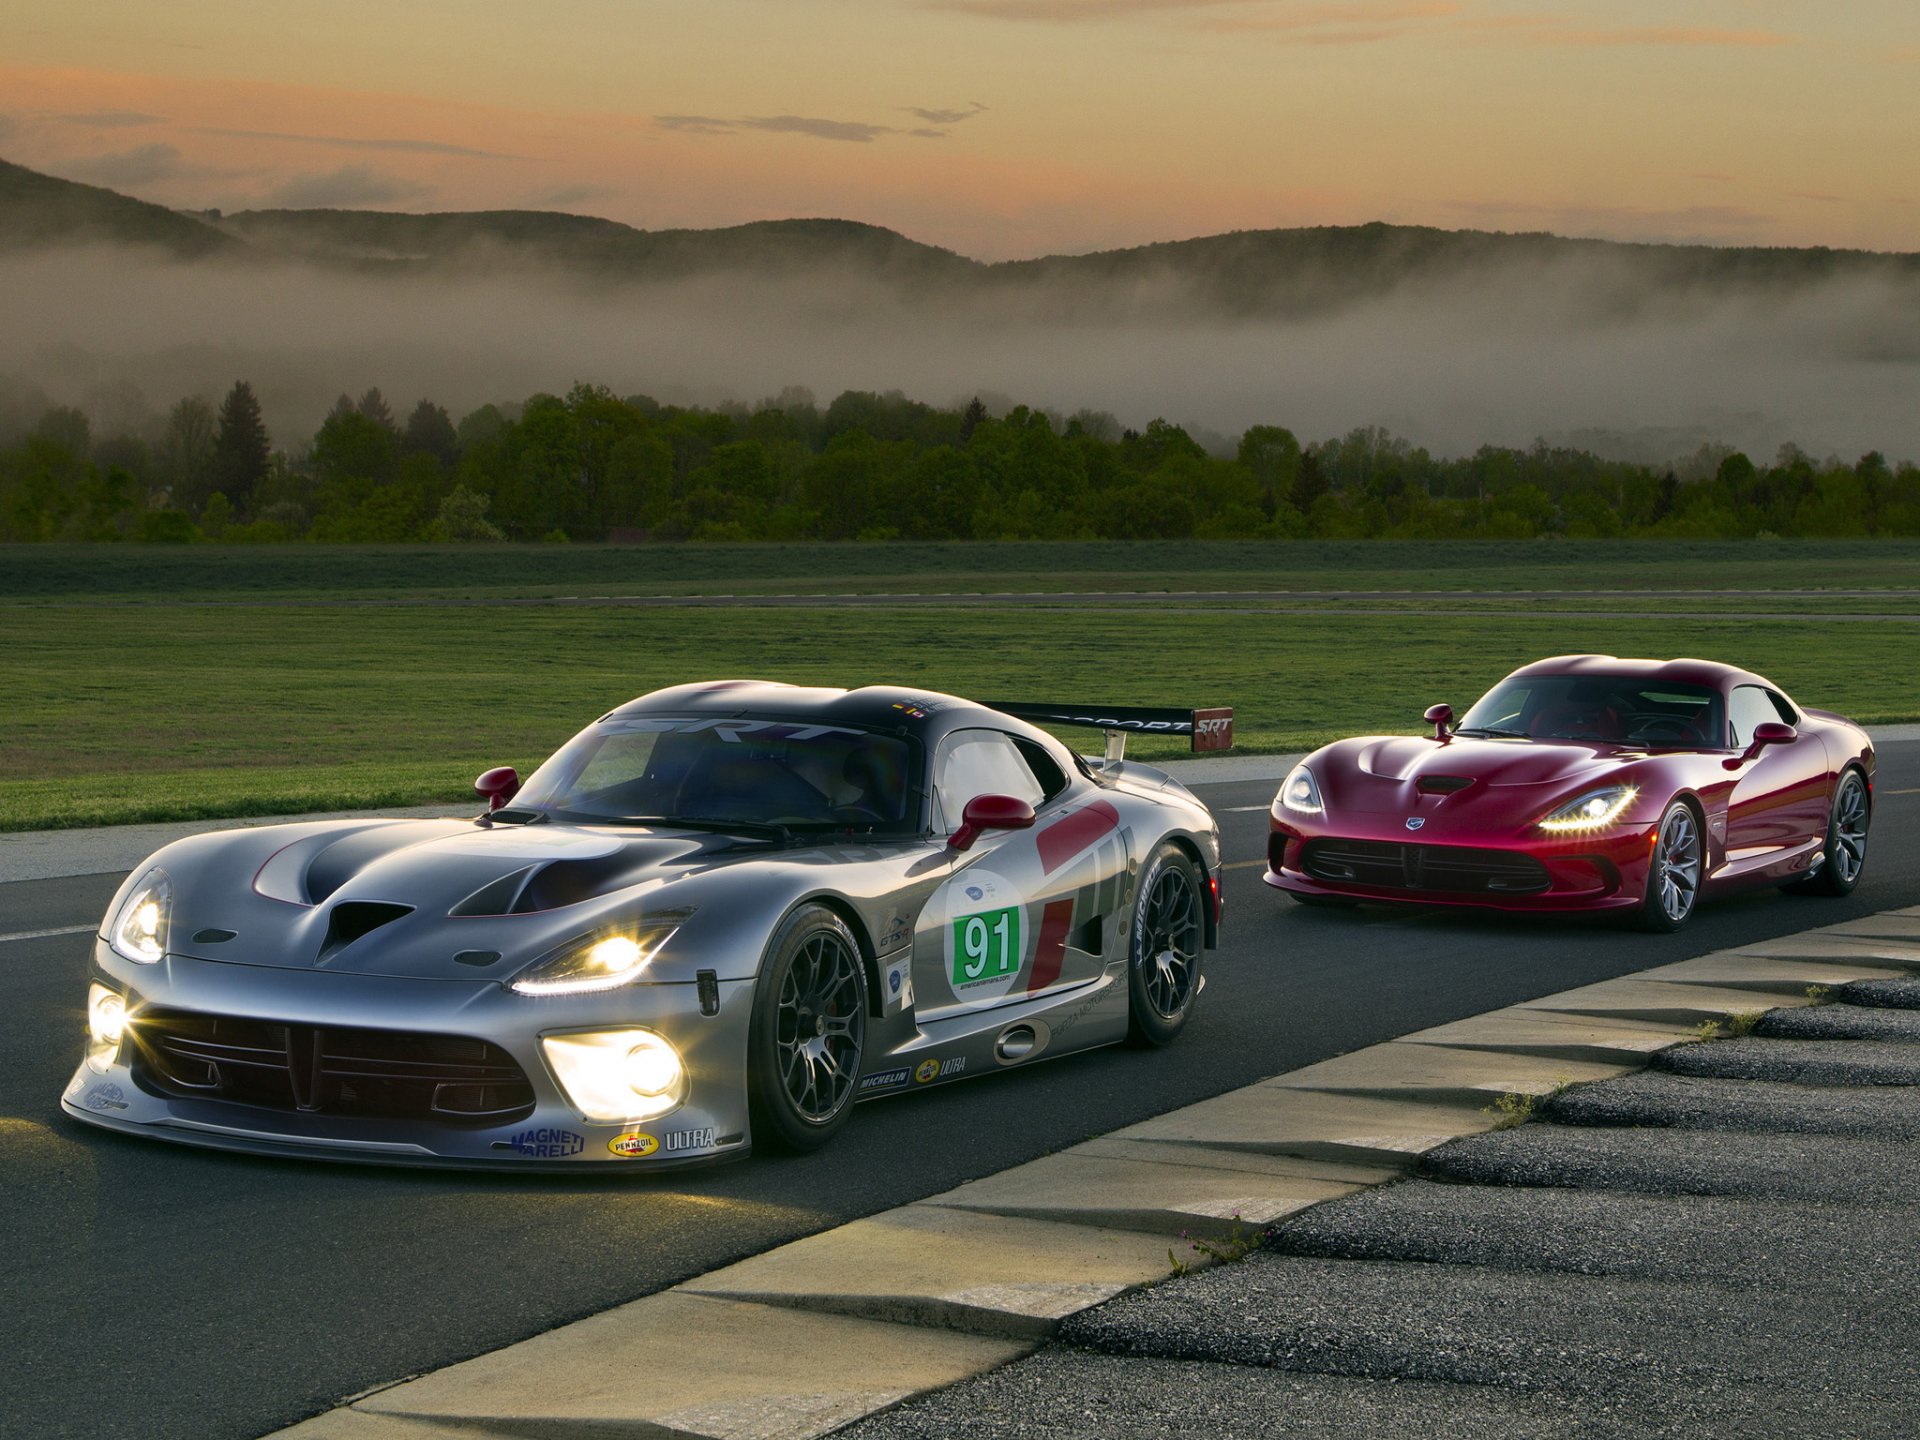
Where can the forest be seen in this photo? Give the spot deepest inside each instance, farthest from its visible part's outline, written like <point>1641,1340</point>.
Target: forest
<point>594,466</point>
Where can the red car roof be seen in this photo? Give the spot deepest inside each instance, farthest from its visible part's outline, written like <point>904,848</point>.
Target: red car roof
<point>1680,672</point>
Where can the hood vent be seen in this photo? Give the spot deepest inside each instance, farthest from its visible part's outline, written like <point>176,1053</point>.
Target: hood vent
<point>352,919</point>
<point>1443,784</point>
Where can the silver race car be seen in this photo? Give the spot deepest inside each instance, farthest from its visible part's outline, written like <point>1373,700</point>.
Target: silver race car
<point>719,915</point>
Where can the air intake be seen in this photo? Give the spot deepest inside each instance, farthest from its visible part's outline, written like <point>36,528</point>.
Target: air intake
<point>352,919</point>
<point>1443,784</point>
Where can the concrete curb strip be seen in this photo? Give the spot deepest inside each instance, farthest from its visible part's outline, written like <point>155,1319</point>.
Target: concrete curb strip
<point>809,1337</point>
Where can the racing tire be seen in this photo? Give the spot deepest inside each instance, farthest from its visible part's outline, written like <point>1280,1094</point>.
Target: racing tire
<point>808,1033</point>
<point>1675,871</point>
<point>1166,936</point>
<point>1845,854</point>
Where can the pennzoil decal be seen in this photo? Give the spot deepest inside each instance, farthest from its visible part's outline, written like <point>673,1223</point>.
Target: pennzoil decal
<point>931,1070</point>
<point>634,1146</point>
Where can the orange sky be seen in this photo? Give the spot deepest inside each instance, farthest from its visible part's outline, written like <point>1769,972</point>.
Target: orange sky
<point>1001,127</point>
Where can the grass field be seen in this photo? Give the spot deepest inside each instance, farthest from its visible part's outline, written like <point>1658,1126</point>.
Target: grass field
<point>144,684</point>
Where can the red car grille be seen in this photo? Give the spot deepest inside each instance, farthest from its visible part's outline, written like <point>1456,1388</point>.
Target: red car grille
<point>387,1074</point>
<point>1436,869</point>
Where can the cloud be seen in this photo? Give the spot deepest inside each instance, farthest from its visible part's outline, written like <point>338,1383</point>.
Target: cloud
<point>1354,24</point>
<point>944,117</point>
<point>141,165</point>
<point>349,186</point>
<point>110,119</point>
<point>855,132</point>
<point>1070,10</point>
<point>1561,30</point>
<point>566,195</point>
<point>358,142</point>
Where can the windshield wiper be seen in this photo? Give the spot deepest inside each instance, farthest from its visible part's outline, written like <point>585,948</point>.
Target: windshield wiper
<point>1493,730</point>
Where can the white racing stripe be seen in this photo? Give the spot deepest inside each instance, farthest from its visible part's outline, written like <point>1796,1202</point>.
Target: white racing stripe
<point>45,934</point>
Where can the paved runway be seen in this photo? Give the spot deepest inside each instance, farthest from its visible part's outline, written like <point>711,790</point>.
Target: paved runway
<point>151,1290</point>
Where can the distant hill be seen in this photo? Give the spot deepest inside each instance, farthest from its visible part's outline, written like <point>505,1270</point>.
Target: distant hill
<point>1246,272</point>
<point>39,211</point>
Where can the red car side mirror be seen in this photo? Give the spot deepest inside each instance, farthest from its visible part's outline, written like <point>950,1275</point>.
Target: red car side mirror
<point>989,812</point>
<point>498,786</point>
<point>1440,717</point>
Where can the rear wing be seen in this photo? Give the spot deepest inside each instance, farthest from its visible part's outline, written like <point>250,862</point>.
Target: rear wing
<point>1205,730</point>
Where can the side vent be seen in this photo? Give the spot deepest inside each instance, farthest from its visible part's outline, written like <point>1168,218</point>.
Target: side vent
<point>1443,784</point>
<point>352,919</point>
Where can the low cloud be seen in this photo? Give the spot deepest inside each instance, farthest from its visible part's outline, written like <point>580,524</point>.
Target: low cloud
<point>855,132</point>
<point>141,165</point>
<point>350,185</point>
<point>110,119</point>
<point>362,142</point>
<point>944,117</point>
<point>1566,31</point>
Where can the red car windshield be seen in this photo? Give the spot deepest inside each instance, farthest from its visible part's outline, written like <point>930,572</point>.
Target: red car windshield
<point>758,772</point>
<point>1616,709</point>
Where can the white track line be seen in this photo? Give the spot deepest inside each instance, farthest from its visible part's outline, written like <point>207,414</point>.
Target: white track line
<point>45,934</point>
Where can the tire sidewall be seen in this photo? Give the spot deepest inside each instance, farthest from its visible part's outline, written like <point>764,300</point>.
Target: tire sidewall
<point>1146,1026</point>
<point>777,1124</point>
<point>1829,878</point>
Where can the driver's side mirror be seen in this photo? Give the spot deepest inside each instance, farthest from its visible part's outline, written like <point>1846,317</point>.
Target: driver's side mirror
<point>1440,717</point>
<point>1771,732</point>
<point>989,812</point>
<point>497,786</point>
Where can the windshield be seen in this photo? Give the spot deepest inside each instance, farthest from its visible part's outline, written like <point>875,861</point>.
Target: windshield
<point>752,772</point>
<point>1621,709</point>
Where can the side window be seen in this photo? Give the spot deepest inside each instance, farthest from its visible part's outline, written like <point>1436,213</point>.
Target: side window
<point>1788,714</point>
<point>1046,770</point>
<point>1751,706</point>
<point>978,762</point>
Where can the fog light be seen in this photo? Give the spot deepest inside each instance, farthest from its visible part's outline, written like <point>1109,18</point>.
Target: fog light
<point>106,1026</point>
<point>617,1074</point>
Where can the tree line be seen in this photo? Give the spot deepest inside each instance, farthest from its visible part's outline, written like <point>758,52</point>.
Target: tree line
<point>591,465</point>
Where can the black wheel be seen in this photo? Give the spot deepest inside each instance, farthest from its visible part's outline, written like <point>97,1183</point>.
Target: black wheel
<point>1845,855</point>
<point>1674,874</point>
<point>1163,955</point>
<point>808,1031</point>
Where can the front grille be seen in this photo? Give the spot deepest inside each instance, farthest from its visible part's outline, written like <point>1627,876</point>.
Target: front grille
<point>385,1074</point>
<point>1437,869</point>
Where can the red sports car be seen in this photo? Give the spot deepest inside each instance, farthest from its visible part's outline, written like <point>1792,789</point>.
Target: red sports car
<point>1585,783</point>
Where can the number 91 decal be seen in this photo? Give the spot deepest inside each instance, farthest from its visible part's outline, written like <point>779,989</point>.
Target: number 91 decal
<point>986,942</point>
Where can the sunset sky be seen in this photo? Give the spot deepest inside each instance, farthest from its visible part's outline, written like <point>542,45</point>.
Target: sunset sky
<point>1000,128</point>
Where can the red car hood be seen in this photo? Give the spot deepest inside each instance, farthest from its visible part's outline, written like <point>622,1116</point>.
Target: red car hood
<point>1413,773</point>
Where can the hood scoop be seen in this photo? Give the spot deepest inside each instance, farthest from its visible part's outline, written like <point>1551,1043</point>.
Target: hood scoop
<point>554,885</point>
<point>351,919</point>
<point>1443,784</point>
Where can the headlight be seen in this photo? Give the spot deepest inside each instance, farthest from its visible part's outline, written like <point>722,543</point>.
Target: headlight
<point>139,931</point>
<point>1593,811</point>
<point>617,1074</point>
<point>1301,792</point>
<point>598,962</point>
<point>106,1025</point>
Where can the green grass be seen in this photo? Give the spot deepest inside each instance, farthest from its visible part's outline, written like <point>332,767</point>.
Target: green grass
<point>127,707</point>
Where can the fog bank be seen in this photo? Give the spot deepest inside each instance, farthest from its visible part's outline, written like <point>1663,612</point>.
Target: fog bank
<point>1500,358</point>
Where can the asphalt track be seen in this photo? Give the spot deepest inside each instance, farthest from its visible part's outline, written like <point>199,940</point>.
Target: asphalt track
<point>152,1290</point>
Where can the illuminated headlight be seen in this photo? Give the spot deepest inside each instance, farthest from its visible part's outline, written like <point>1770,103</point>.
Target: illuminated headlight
<point>1301,792</point>
<point>138,932</point>
<point>1593,811</point>
<point>617,1074</point>
<point>603,962</point>
<point>106,1026</point>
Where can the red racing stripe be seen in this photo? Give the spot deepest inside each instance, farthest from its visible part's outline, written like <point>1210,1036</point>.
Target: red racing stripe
<point>1051,953</point>
<point>1070,834</point>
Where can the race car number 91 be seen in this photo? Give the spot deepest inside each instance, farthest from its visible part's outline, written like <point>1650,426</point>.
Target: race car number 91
<point>986,947</point>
